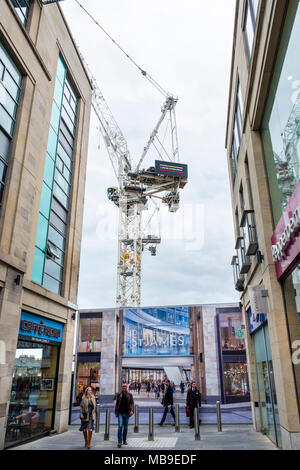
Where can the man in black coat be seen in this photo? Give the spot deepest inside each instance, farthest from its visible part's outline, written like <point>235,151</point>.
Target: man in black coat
<point>193,400</point>
<point>168,403</point>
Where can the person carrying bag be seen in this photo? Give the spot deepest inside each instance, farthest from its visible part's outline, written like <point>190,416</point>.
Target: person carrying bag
<point>87,415</point>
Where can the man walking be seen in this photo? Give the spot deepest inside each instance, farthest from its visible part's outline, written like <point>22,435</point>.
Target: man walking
<point>168,403</point>
<point>124,410</point>
<point>193,400</point>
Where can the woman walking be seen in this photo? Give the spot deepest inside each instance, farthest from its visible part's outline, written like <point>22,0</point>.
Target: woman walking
<point>87,415</point>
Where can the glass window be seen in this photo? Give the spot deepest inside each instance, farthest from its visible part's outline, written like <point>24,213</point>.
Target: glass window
<point>281,126</point>
<point>250,22</point>
<point>38,266</point>
<point>52,284</point>
<point>90,335</point>
<point>57,239</point>
<point>53,269</point>
<point>236,379</point>
<point>45,201</point>
<point>49,171</point>
<point>88,373</point>
<point>32,397</point>
<point>42,232</point>
<point>22,9</point>
<point>232,333</point>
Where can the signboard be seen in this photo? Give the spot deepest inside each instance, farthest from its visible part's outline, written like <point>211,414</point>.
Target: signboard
<point>255,321</point>
<point>39,328</point>
<point>160,331</point>
<point>286,239</point>
<point>171,169</point>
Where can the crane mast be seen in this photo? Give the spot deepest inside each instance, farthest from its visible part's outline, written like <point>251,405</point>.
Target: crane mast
<point>135,187</point>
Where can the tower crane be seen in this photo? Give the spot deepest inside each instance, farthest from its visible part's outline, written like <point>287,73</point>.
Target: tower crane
<point>135,186</point>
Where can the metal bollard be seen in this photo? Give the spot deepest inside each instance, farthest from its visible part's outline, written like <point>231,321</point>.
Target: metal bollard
<point>151,430</point>
<point>136,419</point>
<point>196,424</point>
<point>107,425</point>
<point>97,417</point>
<point>218,405</point>
<point>177,419</point>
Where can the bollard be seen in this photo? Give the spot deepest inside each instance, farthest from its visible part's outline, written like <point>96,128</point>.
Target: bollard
<point>177,420</point>
<point>97,417</point>
<point>196,424</point>
<point>107,425</point>
<point>219,416</point>
<point>151,430</point>
<point>136,419</point>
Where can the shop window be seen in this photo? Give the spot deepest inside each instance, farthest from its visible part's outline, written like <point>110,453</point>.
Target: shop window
<point>32,398</point>
<point>281,126</point>
<point>236,382</point>
<point>88,375</point>
<point>90,335</point>
<point>249,232</point>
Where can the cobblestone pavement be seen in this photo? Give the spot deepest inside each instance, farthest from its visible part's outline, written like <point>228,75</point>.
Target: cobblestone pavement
<point>232,437</point>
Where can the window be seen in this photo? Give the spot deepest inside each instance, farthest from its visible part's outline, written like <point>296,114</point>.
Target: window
<point>281,126</point>
<point>237,130</point>
<point>22,9</point>
<point>55,199</point>
<point>10,81</point>
<point>249,23</point>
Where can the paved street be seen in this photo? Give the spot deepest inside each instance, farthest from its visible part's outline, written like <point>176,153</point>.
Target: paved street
<point>233,437</point>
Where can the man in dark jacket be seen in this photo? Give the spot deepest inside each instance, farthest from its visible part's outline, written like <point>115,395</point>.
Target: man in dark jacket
<point>168,403</point>
<point>124,410</point>
<point>193,400</point>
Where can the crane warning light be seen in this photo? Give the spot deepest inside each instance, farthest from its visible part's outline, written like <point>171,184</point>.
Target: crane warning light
<point>171,169</point>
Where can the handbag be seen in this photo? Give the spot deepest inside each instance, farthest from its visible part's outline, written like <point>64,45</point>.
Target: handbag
<point>187,411</point>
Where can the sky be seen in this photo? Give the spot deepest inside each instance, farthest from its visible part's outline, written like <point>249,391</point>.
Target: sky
<point>186,47</point>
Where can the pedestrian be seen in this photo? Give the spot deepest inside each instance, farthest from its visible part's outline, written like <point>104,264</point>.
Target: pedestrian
<point>182,386</point>
<point>167,402</point>
<point>148,388</point>
<point>124,410</point>
<point>163,387</point>
<point>193,400</point>
<point>139,387</point>
<point>87,415</point>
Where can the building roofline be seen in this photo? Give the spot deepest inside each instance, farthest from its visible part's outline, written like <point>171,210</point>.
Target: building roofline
<point>217,305</point>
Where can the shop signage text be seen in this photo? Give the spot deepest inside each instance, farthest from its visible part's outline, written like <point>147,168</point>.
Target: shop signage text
<point>285,239</point>
<point>291,228</point>
<point>40,328</point>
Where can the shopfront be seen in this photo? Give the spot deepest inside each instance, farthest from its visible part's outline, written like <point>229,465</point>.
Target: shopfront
<point>34,383</point>
<point>281,141</point>
<point>232,354</point>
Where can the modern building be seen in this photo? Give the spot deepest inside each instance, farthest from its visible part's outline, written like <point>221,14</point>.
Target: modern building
<point>201,342</point>
<point>45,102</point>
<point>263,144</point>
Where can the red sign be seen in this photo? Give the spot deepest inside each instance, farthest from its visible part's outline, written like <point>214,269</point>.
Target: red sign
<point>286,238</point>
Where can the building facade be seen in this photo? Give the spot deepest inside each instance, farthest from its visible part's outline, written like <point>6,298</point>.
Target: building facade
<point>262,142</point>
<point>45,102</point>
<point>201,342</point>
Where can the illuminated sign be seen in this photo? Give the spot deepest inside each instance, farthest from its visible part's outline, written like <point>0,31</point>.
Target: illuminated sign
<point>40,328</point>
<point>159,331</point>
<point>171,169</point>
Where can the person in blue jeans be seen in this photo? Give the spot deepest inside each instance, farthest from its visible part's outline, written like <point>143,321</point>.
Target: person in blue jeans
<point>124,410</point>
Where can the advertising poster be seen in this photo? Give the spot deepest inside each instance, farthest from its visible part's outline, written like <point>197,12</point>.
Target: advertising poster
<point>161,331</point>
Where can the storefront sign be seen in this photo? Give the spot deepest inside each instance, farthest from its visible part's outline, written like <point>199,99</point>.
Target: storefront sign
<point>40,328</point>
<point>255,320</point>
<point>285,239</point>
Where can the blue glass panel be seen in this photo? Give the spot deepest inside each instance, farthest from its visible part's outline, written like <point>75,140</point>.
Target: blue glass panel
<point>52,143</point>
<point>55,117</point>
<point>38,266</point>
<point>61,71</point>
<point>49,171</point>
<point>41,235</point>
<point>45,201</point>
<point>58,93</point>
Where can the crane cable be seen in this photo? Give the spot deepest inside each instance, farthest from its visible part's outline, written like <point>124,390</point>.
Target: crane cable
<point>143,72</point>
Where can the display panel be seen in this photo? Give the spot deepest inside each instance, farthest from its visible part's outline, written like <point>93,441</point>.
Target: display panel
<point>161,331</point>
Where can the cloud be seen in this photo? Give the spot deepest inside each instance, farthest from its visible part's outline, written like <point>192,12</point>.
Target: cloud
<point>187,48</point>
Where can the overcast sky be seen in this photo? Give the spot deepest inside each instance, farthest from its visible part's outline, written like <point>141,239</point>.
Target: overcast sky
<point>186,47</point>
